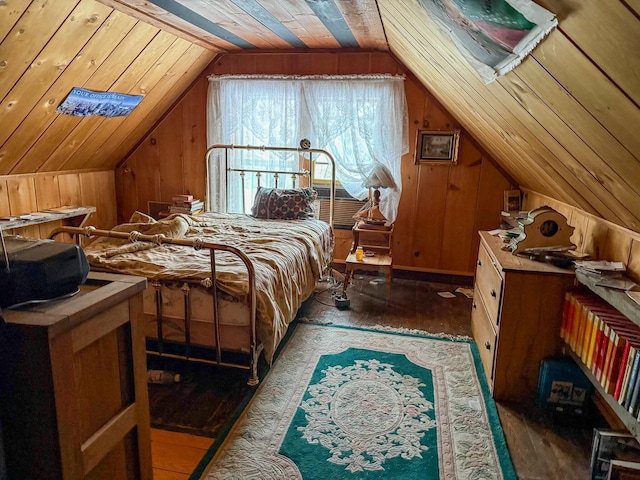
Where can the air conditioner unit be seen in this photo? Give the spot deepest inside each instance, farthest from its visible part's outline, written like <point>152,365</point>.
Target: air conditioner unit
<point>344,208</point>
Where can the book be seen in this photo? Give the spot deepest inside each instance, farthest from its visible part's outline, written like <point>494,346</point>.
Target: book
<point>632,392</point>
<point>183,197</point>
<point>193,203</point>
<point>627,374</point>
<point>621,370</point>
<point>189,210</point>
<point>565,314</point>
<point>569,323</point>
<point>606,365</point>
<point>598,346</point>
<point>592,340</point>
<point>582,324</point>
<point>613,365</point>
<point>602,351</point>
<point>575,323</point>
<point>588,332</point>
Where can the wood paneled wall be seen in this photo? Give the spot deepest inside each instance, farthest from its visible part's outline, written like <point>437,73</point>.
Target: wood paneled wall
<point>599,238</point>
<point>21,194</point>
<point>564,122</point>
<point>48,48</point>
<point>441,209</point>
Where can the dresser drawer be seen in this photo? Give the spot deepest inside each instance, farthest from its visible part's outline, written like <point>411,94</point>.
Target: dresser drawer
<point>484,335</point>
<point>489,284</point>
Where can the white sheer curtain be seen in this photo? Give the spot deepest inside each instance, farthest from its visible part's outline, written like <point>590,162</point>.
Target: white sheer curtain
<point>360,119</point>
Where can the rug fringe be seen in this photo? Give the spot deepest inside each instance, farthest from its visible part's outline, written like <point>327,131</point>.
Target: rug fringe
<point>388,329</point>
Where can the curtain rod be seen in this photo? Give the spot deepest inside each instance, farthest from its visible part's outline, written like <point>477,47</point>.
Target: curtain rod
<point>306,77</point>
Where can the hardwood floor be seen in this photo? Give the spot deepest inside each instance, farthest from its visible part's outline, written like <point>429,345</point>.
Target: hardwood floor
<point>541,446</point>
<point>175,455</point>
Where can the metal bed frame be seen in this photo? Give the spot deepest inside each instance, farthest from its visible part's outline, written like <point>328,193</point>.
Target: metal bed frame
<point>299,173</point>
<point>197,244</point>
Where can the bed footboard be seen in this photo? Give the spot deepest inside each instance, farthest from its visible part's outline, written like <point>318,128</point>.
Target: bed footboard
<point>189,347</point>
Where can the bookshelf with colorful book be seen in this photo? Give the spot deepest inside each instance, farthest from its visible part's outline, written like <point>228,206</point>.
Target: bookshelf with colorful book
<point>601,329</point>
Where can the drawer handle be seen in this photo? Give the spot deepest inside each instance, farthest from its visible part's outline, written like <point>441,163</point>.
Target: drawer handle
<point>479,263</point>
<point>487,345</point>
<point>493,293</point>
<point>474,305</point>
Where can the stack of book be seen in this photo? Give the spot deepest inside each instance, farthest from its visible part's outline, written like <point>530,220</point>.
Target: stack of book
<point>607,343</point>
<point>185,203</point>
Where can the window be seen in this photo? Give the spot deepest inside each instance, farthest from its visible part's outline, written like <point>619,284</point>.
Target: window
<point>361,120</point>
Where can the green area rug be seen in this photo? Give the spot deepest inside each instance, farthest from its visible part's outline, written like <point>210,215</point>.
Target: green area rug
<point>347,403</point>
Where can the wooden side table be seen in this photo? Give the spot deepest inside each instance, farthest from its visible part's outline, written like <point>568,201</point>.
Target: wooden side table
<point>380,261</point>
<point>375,239</point>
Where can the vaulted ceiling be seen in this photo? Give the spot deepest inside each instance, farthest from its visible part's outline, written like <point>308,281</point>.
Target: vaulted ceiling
<point>565,123</point>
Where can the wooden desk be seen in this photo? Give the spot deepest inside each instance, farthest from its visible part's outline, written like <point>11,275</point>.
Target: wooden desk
<point>73,385</point>
<point>379,261</point>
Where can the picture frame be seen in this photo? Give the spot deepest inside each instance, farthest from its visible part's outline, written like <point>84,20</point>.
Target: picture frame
<point>512,201</point>
<point>608,445</point>
<point>437,147</point>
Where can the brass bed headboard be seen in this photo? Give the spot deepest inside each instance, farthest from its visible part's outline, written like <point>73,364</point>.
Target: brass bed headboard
<point>300,150</point>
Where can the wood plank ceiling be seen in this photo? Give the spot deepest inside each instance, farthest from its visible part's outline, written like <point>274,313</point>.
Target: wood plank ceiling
<point>564,123</point>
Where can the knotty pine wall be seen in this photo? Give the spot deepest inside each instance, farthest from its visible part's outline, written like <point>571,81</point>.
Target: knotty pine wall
<point>441,209</point>
<point>594,236</point>
<point>26,193</point>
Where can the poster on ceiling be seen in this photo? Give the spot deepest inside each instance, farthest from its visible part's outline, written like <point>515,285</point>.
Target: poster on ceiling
<point>83,103</point>
<point>493,35</point>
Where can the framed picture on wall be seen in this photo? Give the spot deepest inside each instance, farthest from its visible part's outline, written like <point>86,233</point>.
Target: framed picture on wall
<point>437,146</point>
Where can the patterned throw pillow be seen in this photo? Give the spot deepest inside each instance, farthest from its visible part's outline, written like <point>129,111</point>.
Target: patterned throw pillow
<point>284,204</point>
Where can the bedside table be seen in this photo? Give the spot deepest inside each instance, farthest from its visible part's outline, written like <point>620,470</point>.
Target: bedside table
<point>372,238</point>
<point>375,238</point>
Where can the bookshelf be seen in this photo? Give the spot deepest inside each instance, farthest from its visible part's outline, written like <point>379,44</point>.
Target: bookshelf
<point>625,417</point>
<point>630,309</point>
<point>617,298</point>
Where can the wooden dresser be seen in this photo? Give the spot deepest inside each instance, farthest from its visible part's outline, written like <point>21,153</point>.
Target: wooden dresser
<point>73,385</point>
<point>516,315</point>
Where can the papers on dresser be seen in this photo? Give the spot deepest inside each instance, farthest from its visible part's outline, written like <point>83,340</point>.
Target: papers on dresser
<point>601,267</point>
<point>617,283</point>
<point>635,296</point>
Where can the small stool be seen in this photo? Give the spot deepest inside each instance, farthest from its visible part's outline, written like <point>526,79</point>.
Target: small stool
<point>377,262</point>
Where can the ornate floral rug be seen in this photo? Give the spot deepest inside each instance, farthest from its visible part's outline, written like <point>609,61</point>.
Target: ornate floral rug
<point>347,403</point>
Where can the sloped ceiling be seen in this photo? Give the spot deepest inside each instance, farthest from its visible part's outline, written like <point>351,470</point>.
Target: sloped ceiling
<point>564,123</point>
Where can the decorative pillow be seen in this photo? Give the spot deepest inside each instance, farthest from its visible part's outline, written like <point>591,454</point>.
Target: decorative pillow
<point>284,204</point>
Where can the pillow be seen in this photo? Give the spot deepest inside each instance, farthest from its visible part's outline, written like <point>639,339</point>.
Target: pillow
<point>284,204</point>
